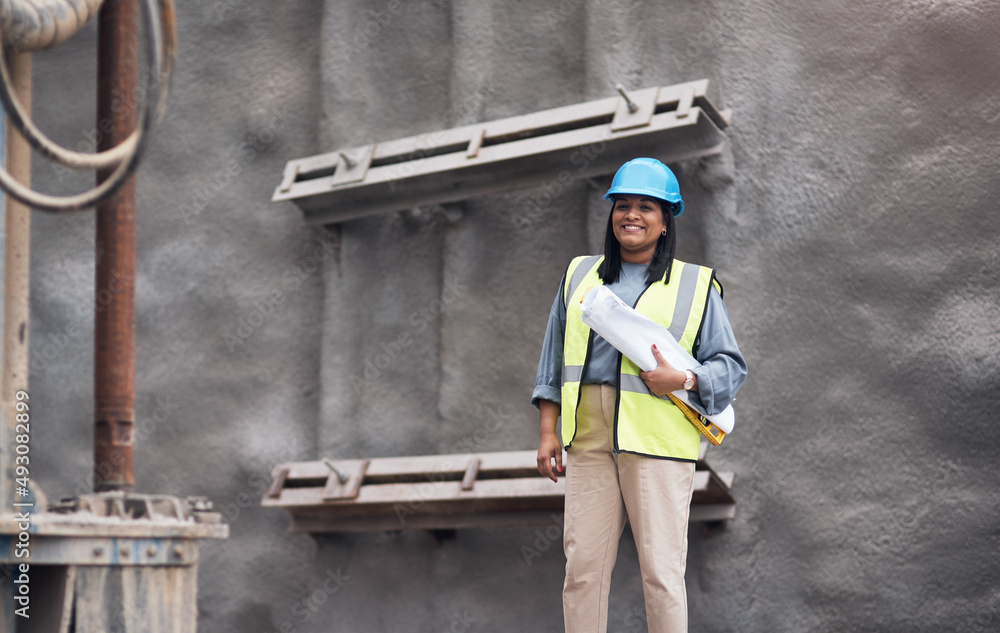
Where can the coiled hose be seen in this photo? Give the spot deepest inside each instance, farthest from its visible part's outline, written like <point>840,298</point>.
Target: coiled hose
<point>32,25</point>
<point>38,24</point>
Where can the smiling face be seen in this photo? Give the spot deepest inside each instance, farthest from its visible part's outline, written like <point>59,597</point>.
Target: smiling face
<point>637,222</point>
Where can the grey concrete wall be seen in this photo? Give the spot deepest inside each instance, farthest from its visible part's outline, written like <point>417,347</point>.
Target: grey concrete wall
<point>851,220</point>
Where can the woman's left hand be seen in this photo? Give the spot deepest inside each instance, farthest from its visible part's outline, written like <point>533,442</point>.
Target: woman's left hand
<point>664,378</point>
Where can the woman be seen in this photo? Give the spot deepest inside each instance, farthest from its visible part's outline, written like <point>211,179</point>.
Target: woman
<point>631,452</point>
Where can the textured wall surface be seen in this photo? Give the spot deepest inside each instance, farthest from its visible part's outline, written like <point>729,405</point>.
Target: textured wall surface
<point>852,221</point>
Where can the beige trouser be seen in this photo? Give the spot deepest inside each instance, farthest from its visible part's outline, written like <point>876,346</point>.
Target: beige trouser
<point>601,488</point>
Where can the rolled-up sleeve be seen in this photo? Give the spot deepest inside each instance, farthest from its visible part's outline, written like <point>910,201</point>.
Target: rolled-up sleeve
<point>723,368</point>
<point>548,380</point>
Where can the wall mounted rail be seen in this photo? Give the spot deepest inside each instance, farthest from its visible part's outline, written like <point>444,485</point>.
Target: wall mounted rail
<point>594,138</point>
<point>445,492</point>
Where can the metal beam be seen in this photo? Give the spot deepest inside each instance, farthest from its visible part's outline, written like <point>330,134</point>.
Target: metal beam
<point>111,529</point>
<point>556,146</point>
<point>98,550</point>
<point>500,489</point>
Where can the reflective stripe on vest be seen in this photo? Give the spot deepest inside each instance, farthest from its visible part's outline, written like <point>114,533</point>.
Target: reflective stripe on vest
<point>583,266</point>
<point>644,423</point>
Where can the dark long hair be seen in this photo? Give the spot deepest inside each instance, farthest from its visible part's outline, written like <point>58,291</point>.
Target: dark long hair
<point>663,257</point>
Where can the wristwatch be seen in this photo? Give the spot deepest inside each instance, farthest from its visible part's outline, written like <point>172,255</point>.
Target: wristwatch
<point>689,381</point>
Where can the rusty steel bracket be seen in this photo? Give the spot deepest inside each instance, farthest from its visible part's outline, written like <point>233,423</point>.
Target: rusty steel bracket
<point>634,109</point>
<point>352,165</point>
<point>345,479</point>
<point>476,143</point>
<point>469,479</point>
<point>278,478</point>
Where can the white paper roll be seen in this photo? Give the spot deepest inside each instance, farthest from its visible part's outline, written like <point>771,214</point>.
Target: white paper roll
<point>633,335</point>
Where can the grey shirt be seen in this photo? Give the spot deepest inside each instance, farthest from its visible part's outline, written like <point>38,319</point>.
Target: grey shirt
<point>722,371</point>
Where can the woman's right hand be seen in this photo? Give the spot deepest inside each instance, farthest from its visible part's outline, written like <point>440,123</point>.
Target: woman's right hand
<point>549,448</point>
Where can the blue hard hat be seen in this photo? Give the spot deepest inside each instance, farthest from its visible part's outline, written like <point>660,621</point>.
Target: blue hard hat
<point>650,177</point>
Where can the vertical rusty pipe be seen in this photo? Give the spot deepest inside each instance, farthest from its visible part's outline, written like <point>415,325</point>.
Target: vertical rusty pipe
<point>114,319</point>
<point>16,279</point>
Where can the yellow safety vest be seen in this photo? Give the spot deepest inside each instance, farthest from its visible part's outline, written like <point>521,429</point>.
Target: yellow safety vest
<point>644,424</point>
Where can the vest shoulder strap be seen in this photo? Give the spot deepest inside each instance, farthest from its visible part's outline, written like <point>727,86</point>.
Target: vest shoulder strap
<point>687,293</point>
<point>714,279</point>
<point>575,273</point>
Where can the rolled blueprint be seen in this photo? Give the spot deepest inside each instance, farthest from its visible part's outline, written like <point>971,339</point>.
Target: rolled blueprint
<point>633,335</point>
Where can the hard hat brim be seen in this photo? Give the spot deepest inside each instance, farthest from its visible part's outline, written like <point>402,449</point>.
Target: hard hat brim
<point>677,204</point>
